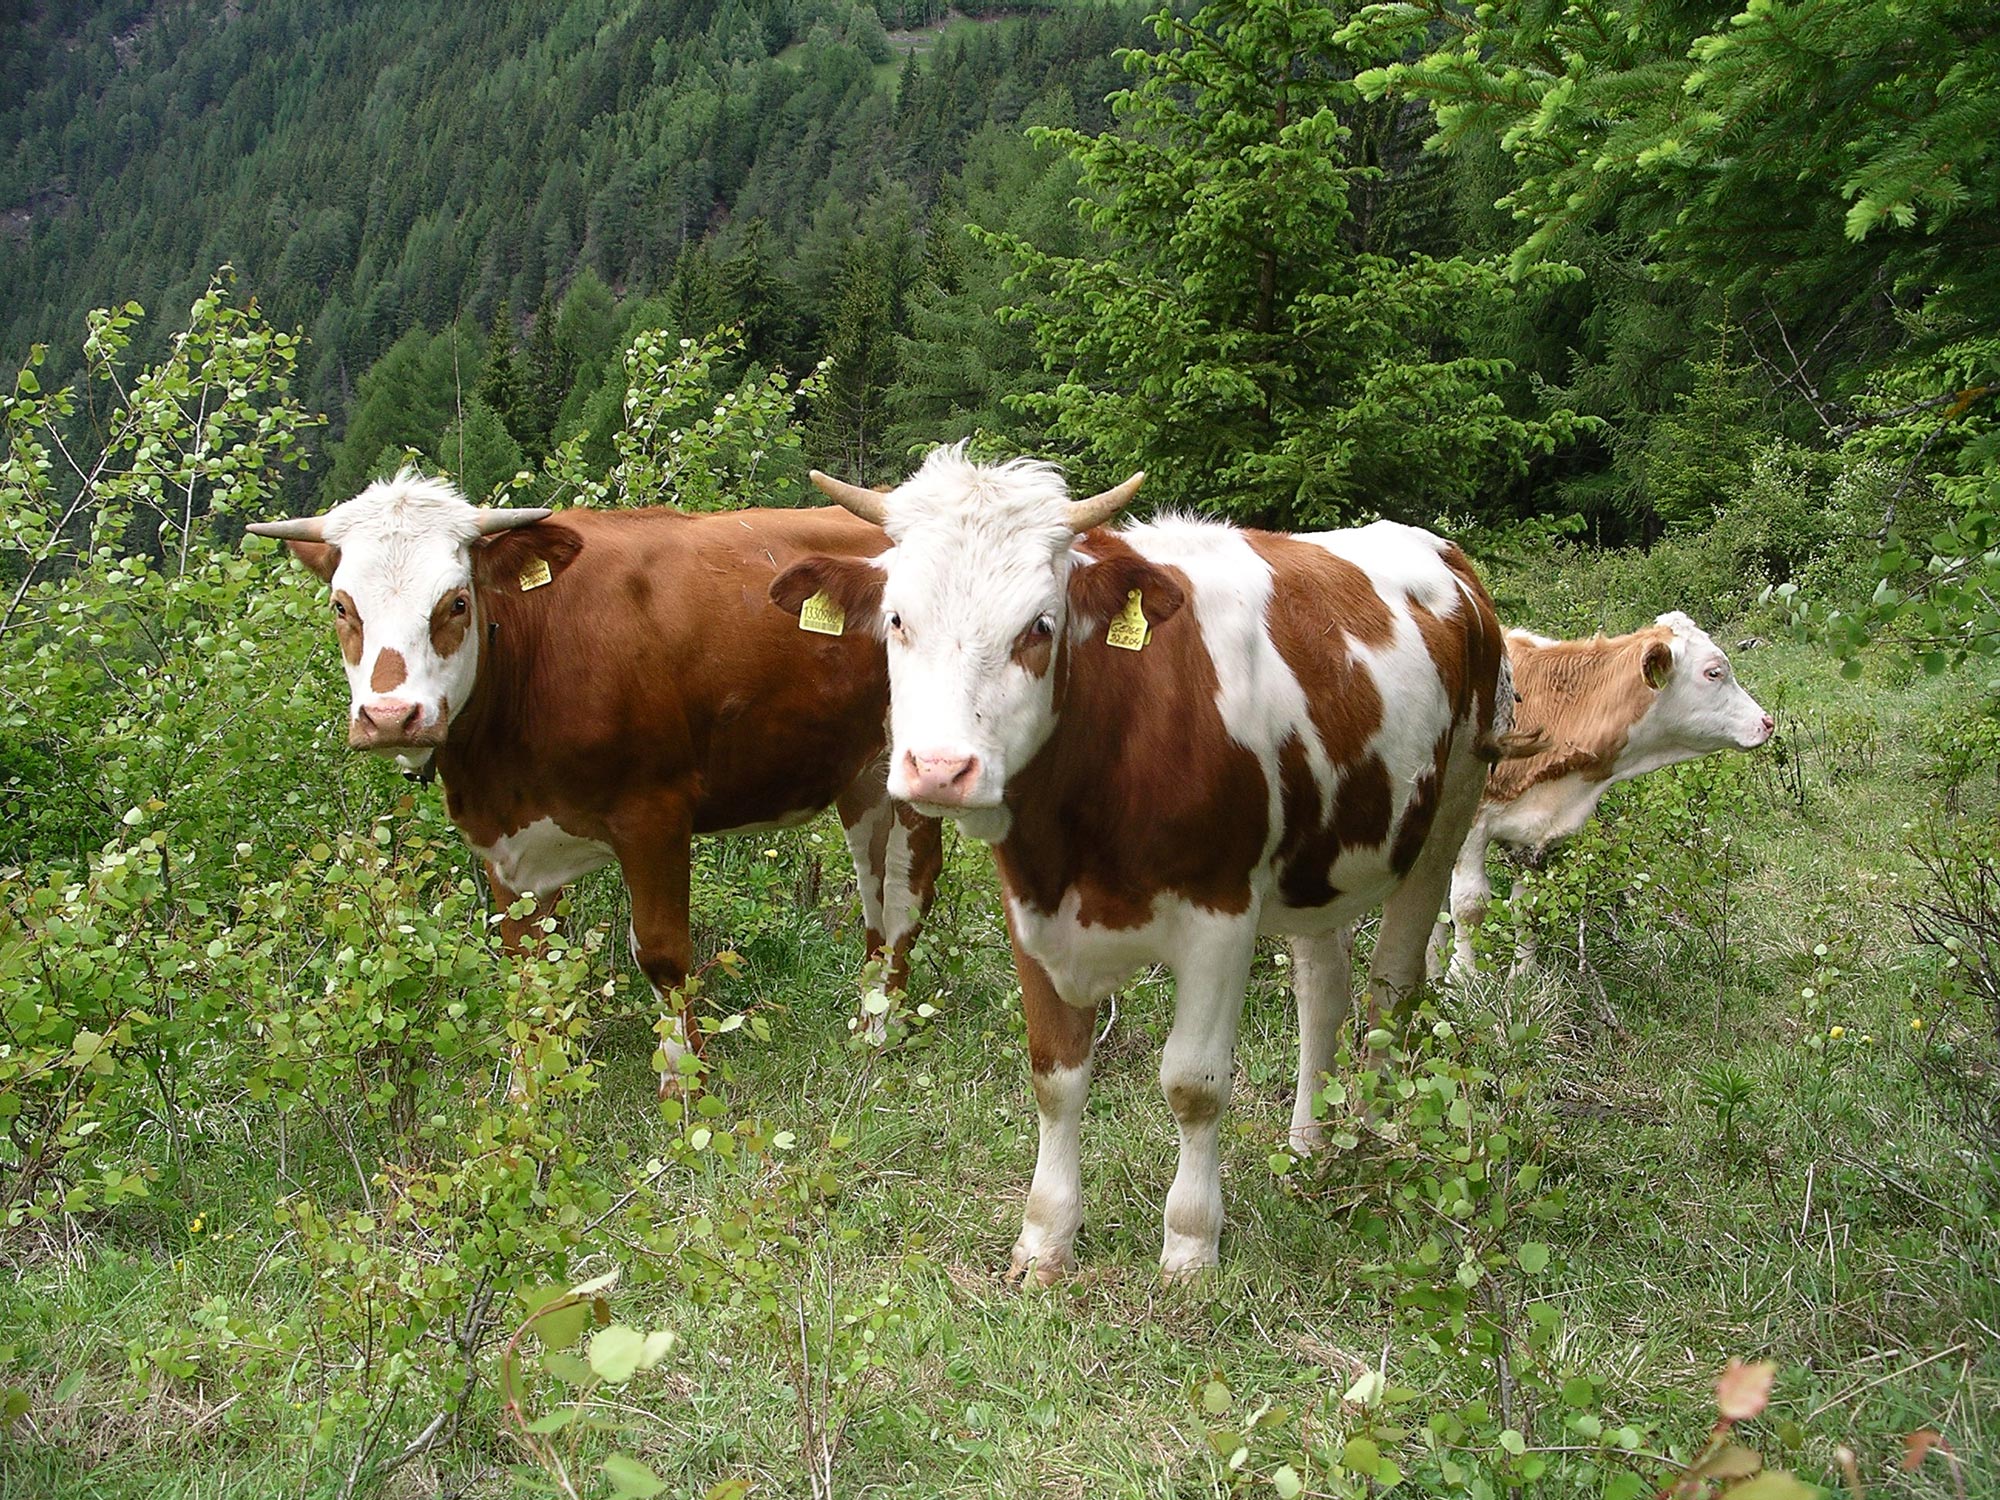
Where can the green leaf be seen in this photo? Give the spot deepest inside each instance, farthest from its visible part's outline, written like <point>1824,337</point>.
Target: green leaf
<point>656,1348</point>
<point>69,1385</point>
<point>630,1477</point>
<point>1362,1456</point>
<point>1534,1257</point>
<point>1286,1482</point>
<point>567,1368</point>
<point>1215,1398</point>
<point>1513,1442</point>
<point>615,1352</point>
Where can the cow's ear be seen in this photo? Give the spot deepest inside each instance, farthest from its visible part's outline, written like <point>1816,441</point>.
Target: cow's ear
<point>1658,664</point>
<point>524,558</point>
<point>1099,590</point>
<point>320,558</point>
<point>853,585</point>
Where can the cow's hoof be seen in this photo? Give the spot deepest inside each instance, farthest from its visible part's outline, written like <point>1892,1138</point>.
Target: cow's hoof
<point>1305,1140</point>
<point>1036,1268</point>
<point>1182,1270</point>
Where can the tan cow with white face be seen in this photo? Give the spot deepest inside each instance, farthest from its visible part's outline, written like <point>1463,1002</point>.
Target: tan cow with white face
<point>1175,736</point>
<point>600,686</point>
<point>1610,709</point>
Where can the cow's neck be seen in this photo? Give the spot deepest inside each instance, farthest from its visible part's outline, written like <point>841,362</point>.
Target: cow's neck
<point>503,701</point>
<point>1129,795</point>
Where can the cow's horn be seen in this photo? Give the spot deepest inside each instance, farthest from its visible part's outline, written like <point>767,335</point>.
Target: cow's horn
<point>298,529</point>
<point>492,520</point>
<point>1084,514</point>
<point>866,504</point>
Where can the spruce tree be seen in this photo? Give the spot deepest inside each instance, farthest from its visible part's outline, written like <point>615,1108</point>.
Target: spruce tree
<point>1230,339</point>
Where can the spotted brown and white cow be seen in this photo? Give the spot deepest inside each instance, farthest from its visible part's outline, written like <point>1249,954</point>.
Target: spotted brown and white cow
<point>1175,737</point>
<point>593,686</point>
<point>1604,710</point>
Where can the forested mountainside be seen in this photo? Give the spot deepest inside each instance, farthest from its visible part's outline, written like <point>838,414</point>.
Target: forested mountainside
<point>469,210</point>
<point>370,169</point>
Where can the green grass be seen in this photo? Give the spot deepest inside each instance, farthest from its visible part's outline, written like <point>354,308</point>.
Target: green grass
<point>1844,1233</point>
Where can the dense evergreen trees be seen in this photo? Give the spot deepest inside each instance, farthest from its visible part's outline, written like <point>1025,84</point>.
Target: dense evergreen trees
<point>1214,246</point>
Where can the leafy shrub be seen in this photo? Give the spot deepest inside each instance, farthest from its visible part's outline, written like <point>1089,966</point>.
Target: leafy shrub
<point>1646,888</point>
<point>1797,517</point>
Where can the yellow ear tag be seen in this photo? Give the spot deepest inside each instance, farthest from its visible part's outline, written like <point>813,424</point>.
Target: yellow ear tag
<point>535,574</point>
<point>822,616</point>
<point>1128,631</point>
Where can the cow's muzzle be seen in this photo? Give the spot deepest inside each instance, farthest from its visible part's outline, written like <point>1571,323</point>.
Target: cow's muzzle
<point>940,779</point>
<point>393,724</point>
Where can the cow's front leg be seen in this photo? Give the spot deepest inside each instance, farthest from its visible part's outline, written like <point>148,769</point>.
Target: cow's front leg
<point>514,935</point>
<point>897,854</point>
<point>1323,985</point>
<point>654,848</point>
<point>1196,1071</point>
<point>1059,1042</point>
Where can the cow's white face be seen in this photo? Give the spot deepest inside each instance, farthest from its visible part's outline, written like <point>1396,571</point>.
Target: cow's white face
<point>972,619</point>
<point>979,599</point>
<point>398,560</point>
<point>1702,707</point>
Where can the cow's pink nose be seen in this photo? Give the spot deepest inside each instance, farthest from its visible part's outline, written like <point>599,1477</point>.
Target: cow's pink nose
<point>386,721</point>
<point>940,778</point>
<point>1770,724</point>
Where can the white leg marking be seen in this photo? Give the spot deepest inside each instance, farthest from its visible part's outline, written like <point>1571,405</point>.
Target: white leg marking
<point>673,1030</point>
<point>1196,1071</point>
<point>1471,891</point>
<point>899,902</point>
<point>1323,982</point>
<point>861,846</point>
<point>1055,1198</point>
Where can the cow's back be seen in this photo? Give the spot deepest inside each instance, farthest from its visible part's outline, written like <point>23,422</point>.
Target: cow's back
<point>653,659</point>
<point>1281,740</point>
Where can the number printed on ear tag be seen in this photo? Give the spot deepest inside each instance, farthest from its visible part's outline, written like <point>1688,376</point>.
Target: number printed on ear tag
<point>535,574</point>
<point>822,616</point>
<point>1128,630</point>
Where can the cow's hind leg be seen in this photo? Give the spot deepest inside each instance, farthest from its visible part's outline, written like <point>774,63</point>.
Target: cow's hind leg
<point>1196,1071</point>
<point>1410,914</point>
<point>1471,893</point>
<point>1059,1045</point>
<point>898,853</point>
<point>1323,984</point>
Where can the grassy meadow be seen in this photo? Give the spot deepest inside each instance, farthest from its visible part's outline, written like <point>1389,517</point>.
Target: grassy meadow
<point>1719,1072</point>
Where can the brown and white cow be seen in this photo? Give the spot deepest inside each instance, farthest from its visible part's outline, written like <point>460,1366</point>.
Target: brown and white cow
<point>1302,734</point>
<point>595,686</point>
<point>1606,710</point>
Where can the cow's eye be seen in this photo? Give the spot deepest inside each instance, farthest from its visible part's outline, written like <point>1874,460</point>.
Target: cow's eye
<point>339,610</point>
<point>460,605</point>
<point>1715,673</point>
<point>895,620</point>
<point>1043,628</point>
